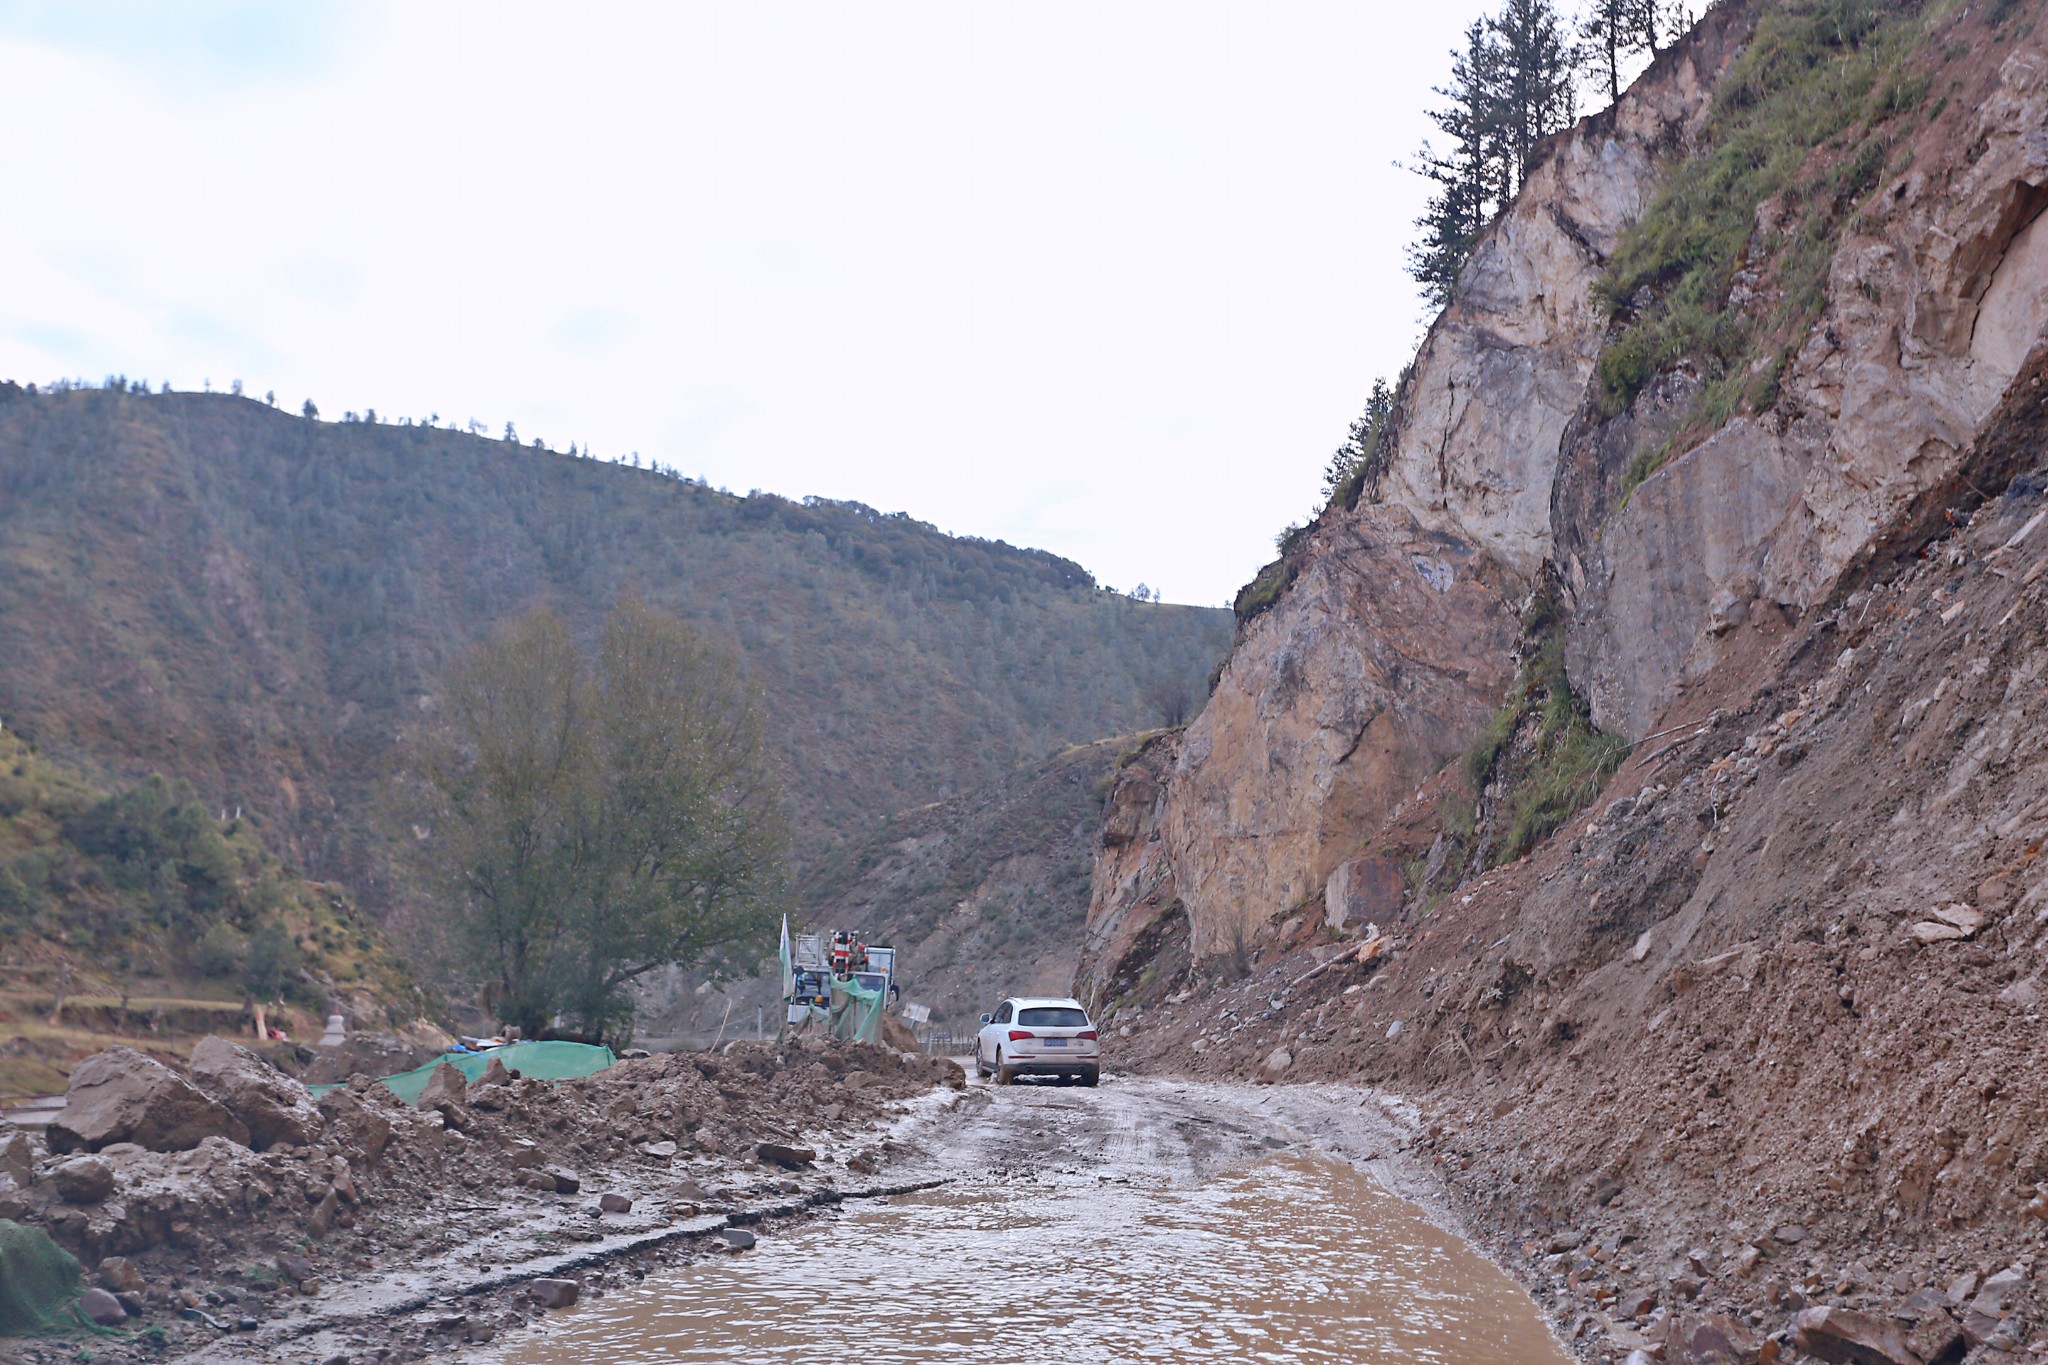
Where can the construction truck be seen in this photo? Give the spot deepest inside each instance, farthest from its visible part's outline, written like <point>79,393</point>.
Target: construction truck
<point>837,981</point>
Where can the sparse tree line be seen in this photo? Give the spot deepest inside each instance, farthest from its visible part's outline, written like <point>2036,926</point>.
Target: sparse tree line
<point>1514,81</point>
<point>310,410</point>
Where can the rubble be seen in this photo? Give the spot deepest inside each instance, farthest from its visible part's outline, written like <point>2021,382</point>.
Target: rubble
<point>386,1195</point>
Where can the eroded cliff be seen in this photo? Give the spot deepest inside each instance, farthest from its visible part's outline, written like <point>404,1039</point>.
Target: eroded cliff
<point>1512,469</point>
<point>1669,697</point>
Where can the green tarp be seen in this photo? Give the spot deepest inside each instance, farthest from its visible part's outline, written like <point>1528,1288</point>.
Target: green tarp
<point>547,1061</point>
<point>39,1283</point>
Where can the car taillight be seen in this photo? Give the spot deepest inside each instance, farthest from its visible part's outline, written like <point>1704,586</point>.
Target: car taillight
<point>1087,1033</point>
<point>1017,1034</point>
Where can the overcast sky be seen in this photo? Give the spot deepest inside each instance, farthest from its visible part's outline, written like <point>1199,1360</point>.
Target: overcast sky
<point>1107,278</point>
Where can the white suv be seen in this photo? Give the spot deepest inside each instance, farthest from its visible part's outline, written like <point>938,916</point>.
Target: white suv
<point>1034,1036</point>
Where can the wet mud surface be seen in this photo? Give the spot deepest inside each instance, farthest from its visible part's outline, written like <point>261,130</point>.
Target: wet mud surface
<point>1149,1219</point>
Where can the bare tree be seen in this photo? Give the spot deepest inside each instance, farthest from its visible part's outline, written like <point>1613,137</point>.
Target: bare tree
<point>1167,701</point>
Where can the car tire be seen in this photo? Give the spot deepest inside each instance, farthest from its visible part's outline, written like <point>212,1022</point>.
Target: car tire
<point>1092,1078</point>
<point>980,1067</point>
<point>1004,1075</point>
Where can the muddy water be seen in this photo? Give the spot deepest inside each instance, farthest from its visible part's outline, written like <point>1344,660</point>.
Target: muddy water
<point>1290,1258</point>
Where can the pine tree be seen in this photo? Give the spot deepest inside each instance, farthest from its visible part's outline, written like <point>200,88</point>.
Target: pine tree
<point>1613,31</point>
<point>1511,86</point>
<point>1536,94</point>
<point>1361,442</point>
<point>1459,210</point>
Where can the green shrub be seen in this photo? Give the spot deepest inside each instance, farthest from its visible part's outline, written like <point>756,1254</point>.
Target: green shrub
<point>221,952</point>
<point>273,962</point>
<point>1263,591</point>
<point>20,903</point>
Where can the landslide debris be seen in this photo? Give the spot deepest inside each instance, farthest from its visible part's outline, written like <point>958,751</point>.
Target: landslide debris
<point>248,1205</point>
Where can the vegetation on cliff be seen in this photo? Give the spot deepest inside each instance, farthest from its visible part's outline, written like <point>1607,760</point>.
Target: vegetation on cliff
<point>1726,271</point>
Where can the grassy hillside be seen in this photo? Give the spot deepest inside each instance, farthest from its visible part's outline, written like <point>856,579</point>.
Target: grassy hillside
<point>258,604</point>
<point>982,894</point>
<point>985,894</point>
<point>153,920</point>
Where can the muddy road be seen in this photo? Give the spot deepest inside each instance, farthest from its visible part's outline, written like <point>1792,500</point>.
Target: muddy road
<point>1149,1219</point>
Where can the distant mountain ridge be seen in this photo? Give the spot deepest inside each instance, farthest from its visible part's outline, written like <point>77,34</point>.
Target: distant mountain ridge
<point>259,603</point>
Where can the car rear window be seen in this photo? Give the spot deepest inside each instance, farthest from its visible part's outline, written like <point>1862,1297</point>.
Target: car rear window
<point>1054,1016</point>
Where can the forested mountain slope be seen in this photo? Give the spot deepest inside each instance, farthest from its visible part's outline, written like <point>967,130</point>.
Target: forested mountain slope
<point>258,603</point>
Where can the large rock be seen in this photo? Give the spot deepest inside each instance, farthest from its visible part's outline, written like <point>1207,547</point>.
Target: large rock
<point>122,1096</point>
<point>1711,1339</point>
<point>1846,1337</point>
<point>1365,890</point>
<point>83,1179</point>
<point>446,1089</point>
<point>276,1109</point>
<point>102,1308</point>
<point>791,1158</point>
<point>555,1293</point>
<point>354,1126</point>
<point>17,1156</point>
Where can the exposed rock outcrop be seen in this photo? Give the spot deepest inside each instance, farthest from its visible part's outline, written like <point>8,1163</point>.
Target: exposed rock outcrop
<point>1933,304</point>
<point>1508,472</point>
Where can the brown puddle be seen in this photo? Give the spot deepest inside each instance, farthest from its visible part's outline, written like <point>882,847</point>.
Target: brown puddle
<point>1293,1259</point>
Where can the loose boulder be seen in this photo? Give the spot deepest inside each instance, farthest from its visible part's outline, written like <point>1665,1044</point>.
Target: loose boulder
<point>1365,889</point>
<point>555,1293</point>
<point>276,1109</point>
<point>122,1096</point>
<point>17,1156</point>
<point>1711,1339</point>
<point>788,1157</point>
<point>83,1179</point>
<point>494,1074</point>
<point>103,1308</point>
<point>446,1089</point>
<point>119,1274</point>
<point>1846,1337</point>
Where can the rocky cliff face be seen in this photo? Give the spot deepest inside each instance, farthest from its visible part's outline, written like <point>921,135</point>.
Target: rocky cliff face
<point>1395,636</point>
<point>1750,1044</point>
<point>1934,298</point>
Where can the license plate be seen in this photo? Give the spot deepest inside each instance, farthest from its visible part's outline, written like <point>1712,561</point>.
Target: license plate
<point>1055,1042</point>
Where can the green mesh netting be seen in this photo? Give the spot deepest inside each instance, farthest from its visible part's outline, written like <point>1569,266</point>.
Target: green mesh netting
<point>856,1011</point>
<point>39,1283</point>
<point>548,1061</point>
